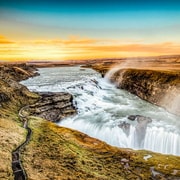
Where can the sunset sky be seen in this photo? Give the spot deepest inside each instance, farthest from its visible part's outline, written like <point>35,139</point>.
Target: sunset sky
<point>88,29</point>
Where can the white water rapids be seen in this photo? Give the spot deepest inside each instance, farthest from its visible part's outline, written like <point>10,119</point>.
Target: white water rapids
<point>103,110</point>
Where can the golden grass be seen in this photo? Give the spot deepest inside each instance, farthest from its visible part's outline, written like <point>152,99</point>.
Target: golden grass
<point>11,135</point>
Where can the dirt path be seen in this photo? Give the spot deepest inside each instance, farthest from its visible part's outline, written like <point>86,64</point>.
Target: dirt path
<point>18,170</point>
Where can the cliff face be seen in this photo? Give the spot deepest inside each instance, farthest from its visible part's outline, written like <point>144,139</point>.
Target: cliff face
<point>53,106</point>
<point>17,72</point>
<point>148,78</point>
<point>158,87</point>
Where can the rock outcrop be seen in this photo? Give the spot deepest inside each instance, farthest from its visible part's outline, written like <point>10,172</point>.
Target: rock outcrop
<point>17,72</point>
<point>158,87</point>
<point>53,106</point>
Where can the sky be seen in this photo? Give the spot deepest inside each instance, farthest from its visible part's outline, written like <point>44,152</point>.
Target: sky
<point>88,29</point>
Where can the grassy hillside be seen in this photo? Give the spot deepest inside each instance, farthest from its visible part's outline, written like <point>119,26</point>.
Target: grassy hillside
<point>12,97</point>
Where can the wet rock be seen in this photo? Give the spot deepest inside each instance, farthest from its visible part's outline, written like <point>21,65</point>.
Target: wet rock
<point>143,119</point>
<point>96,83</point>
<point>132,117</point>
<point>141,129</point>
<point>53,106</point>
<point>139,118</point>
<point>125,127</point>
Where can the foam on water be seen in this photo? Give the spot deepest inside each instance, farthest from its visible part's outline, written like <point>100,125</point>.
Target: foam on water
<point>102,108</point>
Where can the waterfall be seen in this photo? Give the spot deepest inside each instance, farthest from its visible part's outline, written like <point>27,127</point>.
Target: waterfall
<point>159,140</point>
<point>103,111</point>
<point>156,139</point>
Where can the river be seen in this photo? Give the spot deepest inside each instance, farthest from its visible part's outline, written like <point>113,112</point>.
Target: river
<point>103,110</point>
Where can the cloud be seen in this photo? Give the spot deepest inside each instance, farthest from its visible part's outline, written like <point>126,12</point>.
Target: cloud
<point>155,48</point>
<point>73,40</point>
<point>3,40</point>
<point>81,48</point>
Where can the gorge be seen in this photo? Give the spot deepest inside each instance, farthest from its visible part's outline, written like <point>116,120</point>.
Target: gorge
<point>104,110</point>
<point>61,153</point>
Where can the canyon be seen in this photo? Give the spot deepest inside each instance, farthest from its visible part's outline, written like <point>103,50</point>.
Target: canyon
<point>55,152</point>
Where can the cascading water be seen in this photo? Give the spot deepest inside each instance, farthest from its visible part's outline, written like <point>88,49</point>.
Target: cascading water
<point>103,111</point>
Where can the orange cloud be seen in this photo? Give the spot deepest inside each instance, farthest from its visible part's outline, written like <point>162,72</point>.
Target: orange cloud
<point>80,48</point>
<point>73,40</point>
<point>161,48</point>
<point>3,40</point>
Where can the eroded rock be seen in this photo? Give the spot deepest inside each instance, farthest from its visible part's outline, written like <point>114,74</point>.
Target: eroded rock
<point>17,72</point>
<point>53,106</point>
<point>158,87</point>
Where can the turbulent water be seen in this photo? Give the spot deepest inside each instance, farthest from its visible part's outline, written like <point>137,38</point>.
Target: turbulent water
<point>103,111</point>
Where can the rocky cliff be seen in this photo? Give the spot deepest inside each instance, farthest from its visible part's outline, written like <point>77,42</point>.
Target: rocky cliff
<point>158,87</point>
<point>154,79</point>
<point>53,106</point>
<point>17,72</point>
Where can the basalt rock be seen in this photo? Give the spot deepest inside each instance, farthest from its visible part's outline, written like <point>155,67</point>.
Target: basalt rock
<point>158,87</point>
<point>53,106</point>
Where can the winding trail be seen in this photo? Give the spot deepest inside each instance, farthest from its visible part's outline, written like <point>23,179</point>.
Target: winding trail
<point>18,170</point>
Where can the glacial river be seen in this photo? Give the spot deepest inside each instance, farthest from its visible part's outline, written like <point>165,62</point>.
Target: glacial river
<point>103,110</point>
